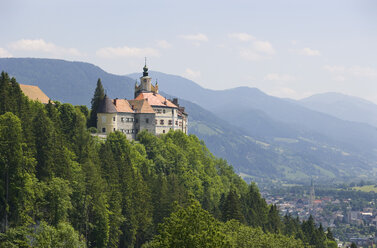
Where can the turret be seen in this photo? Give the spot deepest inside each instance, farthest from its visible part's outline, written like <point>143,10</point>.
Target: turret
<point>145,83</point>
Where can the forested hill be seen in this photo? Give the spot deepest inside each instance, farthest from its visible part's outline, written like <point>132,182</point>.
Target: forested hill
<point>61,187</point>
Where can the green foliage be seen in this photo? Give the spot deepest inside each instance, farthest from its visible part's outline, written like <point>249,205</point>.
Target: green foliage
<point>99,94</point>
<point>190,227</point>
<point>61,187</point>
<point>194,227</point>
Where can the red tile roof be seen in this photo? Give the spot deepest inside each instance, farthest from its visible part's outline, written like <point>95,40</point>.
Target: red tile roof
<point>122,105</point>
<point>141,106</point>
<point>155,99</point>
<point>33,92</point>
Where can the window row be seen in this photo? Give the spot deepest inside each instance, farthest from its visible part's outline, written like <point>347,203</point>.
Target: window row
<point>124,119</point>
<point>170,122</point>
<point>128,130</point>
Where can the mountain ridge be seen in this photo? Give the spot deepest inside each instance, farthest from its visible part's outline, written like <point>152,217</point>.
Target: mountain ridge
<point>268,147</point>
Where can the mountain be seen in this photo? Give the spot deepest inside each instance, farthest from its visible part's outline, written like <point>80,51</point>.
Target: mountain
<point>344,107</point>
<point>263,137</point>
<point>240,106</point>
<point>72,82</point>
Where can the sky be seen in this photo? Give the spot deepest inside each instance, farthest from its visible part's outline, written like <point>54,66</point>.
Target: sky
<point>290,48</point>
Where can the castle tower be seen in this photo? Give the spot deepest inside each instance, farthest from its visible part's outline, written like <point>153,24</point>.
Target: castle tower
<point>145,83</point>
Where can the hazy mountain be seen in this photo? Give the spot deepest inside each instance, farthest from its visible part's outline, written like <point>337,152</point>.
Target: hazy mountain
<point>345,107</point>
<point>261,135</point>
<point>72,82</point>
<point>238,106</point>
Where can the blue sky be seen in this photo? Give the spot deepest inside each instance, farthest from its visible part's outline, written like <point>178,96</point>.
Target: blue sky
<point>285,48</point>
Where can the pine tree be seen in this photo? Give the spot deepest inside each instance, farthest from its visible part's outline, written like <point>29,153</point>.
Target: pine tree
<point>274,222</point>
<point>99,94</point>
<point>329,234</point>
<point>232,208</point>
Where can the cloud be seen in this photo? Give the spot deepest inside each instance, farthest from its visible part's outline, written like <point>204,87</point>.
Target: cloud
<point>242,36</point>
<point>339,78</point>
<point>256,49</point>
<point>4,53</point>
<point>337,69</point>
<point>284,92</point>
<point>263,47</point>
<point>125,51</point>
<point>366,72</point>
<point>341,73</point>
<point>40,45</point>
<point>309,52</point>
<point>250,54</point>
<point>192,74</point>
<point>279,77</point>
<point>163,44</point>
<point>195,37</point>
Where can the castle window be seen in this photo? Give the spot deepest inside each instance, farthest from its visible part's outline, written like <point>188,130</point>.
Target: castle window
<point>132,131</point>
<point>132,119</point>
<point>113,118</point>
<point>128,119</point>
<point>161,122</point>
<point>136,120</point>
<point>114,129</point>
<point>170,122</point>
<point>122,119</point>
<point>176,123</point>
<point>146,120</point>
<point>128,131</point>
<point>103,130</point>
<point>163,131</point>
<point>163,111</point>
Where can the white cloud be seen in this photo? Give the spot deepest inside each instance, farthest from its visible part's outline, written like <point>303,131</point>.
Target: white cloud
<point>284,92</point>
<point>4,53</point>
<point>342,73</point>
<point>263,47</point>
<point>163,44</point>
<point>339,78</point>
<point>256,50</point>
<point>366,72</point>
<point>279,77</point>
<point>309,52</point>
<point>334,69</point>
<point>125,51</point>
<point>242,36</point>
<point>250,54</point>
<point>40,45</point>
<point>195,37</point>
<point>192,74</point>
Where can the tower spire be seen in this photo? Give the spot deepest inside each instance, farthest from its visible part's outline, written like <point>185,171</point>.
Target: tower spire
<point>145,69</point>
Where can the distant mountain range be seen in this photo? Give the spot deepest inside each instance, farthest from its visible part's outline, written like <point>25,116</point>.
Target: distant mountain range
<point>344,107</point>
<point>263,137</point>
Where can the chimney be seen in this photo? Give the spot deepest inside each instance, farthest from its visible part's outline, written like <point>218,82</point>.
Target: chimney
<point>175,101</point>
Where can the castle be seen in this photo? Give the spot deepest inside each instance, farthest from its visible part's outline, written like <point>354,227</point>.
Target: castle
<point>148,111</point>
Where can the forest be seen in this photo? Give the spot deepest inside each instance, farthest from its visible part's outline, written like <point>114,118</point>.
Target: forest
<point>60,186</point>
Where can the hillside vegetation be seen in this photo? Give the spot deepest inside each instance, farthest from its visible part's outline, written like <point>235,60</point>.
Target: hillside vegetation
<point>61,187</point>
